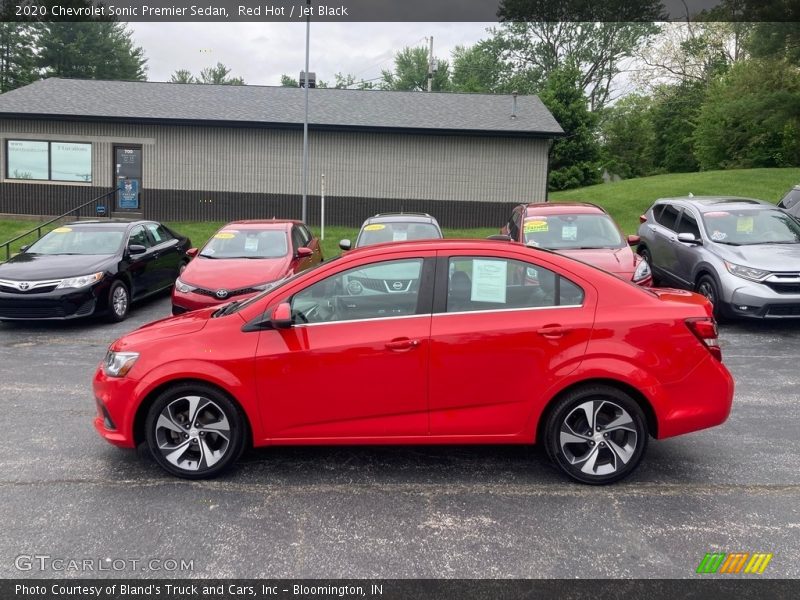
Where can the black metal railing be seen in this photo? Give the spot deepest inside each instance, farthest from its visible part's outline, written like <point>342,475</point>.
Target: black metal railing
<point>75,211</point>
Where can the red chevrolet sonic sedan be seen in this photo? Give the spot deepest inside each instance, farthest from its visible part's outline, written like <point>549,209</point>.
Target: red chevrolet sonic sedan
<point>424,342</point>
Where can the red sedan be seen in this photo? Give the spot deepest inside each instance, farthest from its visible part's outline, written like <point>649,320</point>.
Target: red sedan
<point>429,342</point>
<point>242,259</point>
<point>583,231</point>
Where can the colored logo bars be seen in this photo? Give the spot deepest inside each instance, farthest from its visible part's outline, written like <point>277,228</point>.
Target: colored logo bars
<point>734,563</point>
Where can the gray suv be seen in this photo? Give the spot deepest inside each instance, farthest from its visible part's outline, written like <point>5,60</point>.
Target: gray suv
<point>741,254</point>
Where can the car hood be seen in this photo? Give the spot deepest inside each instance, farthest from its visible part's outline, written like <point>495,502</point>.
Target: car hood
<point>184,324</point>
<point>620,261</point>
<point>32,267</point>
<point>769,257</point>
<point>234,273</point>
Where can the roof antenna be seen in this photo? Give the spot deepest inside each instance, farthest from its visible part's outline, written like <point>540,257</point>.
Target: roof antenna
<point>514,104</point>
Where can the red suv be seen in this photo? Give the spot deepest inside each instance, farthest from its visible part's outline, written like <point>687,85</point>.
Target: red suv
<point>242,259</point>
<point>582,231</point>
<point>410,344</point>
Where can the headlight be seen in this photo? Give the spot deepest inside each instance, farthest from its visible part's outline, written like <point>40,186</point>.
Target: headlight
<point>747,272</point>
<point>642,271</point>
<point>184,288</point>
<point>117,364</point>
<point>79,282</point>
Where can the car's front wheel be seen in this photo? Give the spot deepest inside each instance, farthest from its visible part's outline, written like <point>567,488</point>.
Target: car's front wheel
<point>119,301</point>
<point>194,431</point>
<point>596,434</point>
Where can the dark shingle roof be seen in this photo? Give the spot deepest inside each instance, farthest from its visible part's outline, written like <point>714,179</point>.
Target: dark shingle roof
<point>141,101</point>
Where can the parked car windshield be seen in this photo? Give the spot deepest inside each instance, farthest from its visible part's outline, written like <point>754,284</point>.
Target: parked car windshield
<point>748,227</point>
<point>557,232</point>
<point>247,243</point>
<point>378,233</point>
<point>66,240</point>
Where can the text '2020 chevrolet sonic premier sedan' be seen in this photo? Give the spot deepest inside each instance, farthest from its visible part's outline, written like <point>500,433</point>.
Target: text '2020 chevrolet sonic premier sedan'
<point>416,343</point>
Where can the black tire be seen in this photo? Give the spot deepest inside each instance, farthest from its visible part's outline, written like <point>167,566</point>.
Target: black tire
<point>217,432</point>
<point>707,286</point>
<point>119,302</point>
<point>597,457</point>
<point>648,258</point>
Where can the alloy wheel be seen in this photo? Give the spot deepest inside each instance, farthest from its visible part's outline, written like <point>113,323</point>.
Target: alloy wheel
<point>119,301</point>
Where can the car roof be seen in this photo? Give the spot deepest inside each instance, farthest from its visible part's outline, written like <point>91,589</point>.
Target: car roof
<point>401,218</point>
<point>106,222</point>
<point>263,224</point>
<point>562,208</point>
<point>714,203</point>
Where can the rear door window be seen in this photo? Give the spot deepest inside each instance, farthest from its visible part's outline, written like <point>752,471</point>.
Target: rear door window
<point>668,217</point>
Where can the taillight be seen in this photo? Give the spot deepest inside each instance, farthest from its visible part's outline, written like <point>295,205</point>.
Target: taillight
<point>642,218</point>
<point>705,330</point>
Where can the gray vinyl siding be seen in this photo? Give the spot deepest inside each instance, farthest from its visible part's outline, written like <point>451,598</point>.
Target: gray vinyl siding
<point>355,164</point>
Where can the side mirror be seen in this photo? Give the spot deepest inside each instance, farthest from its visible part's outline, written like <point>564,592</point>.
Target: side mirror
<point>688,238</point>
<point>303,252</point>
<point>24,248</point>
<point>345,244</point>
<point>282,316</point>
<point>191,252</point>
<point>136,249</point>
<point>633,240</point>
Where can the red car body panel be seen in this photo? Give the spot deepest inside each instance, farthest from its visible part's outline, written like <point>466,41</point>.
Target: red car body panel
<point>241,273</point>
<point>622,262</point>
<point>480,377</point>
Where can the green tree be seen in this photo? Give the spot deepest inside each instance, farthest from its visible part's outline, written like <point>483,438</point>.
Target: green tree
<point>411,72</point>
<point>90,50</point>
<point>628,136</point>
<point>674,115</point>
<point>17,55</point>
<point>288,81</point>
<point>751,118</point>
<point>182,76</point>
<point>219,75</point>
<point>574,160</point>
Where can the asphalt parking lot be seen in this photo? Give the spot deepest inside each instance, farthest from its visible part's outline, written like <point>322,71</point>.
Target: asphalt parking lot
<point>392,512</point>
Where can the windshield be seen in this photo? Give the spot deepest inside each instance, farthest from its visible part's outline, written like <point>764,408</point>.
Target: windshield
<point>748,227</point>
<point>247,243</point>
<point>66,240</point>
<point>557,232</point>
<point>395,231</point>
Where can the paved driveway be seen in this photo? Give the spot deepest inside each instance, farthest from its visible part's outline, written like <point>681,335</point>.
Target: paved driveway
<point>391,512</point>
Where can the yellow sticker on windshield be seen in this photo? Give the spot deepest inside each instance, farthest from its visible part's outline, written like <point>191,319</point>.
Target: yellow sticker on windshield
<point>536,226</point>
<point>62,230</point>
<point>744,225</point>
<point>224,235</point>
<point>375,227</point>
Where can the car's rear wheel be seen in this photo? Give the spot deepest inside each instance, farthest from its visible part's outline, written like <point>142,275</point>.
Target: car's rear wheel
<point>119,302</point>
<point>706,286</point>
<point>596,434</point>
<point>647,257</point>
<point>194,431</point>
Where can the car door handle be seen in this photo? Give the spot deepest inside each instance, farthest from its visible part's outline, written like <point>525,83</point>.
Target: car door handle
<point>402,344</point>
<point>553,331</point>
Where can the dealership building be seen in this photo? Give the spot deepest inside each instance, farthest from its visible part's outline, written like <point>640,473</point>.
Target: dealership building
<point>214,152</point>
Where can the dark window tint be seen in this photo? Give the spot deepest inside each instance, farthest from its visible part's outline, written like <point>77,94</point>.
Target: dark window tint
<point>138,237</point>
<point>297,238</point>
<point>305,234</point>
<point>514,223</point>
<point>668,216</point>
<point>688,224</point>
<point>477,283</point>
<point>386,289</point>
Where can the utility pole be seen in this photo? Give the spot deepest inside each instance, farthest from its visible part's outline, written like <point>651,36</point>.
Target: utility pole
<point>305,119</point>
<point>430,63</point>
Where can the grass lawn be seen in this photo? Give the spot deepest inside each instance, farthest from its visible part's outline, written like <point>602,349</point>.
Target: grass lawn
<point>11,229</point>
<point>625,200</point>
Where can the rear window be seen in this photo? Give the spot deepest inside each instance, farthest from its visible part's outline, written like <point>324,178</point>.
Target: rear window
<point>379,233</point>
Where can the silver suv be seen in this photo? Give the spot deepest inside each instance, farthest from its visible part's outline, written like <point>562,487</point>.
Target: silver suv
<point>741,254</point>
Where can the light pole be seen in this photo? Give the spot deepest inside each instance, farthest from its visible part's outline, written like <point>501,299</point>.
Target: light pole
<point>305,116</point>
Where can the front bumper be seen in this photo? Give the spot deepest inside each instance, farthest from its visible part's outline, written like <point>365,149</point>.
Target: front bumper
<point>759,301</point>
<point>114,397</point>
<point>55,305</point>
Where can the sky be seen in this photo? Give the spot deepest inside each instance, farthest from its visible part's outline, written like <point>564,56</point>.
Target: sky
<point>261,52</point>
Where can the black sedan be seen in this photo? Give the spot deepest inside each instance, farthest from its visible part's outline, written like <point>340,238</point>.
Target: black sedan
<point>91,267</point>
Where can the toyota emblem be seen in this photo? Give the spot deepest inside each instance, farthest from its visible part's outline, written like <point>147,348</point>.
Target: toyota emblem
<point>24,285</point>
<point>397,285</point>
<point>222,293</point>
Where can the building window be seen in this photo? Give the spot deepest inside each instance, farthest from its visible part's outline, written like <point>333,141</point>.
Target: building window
<point>48,161</point>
